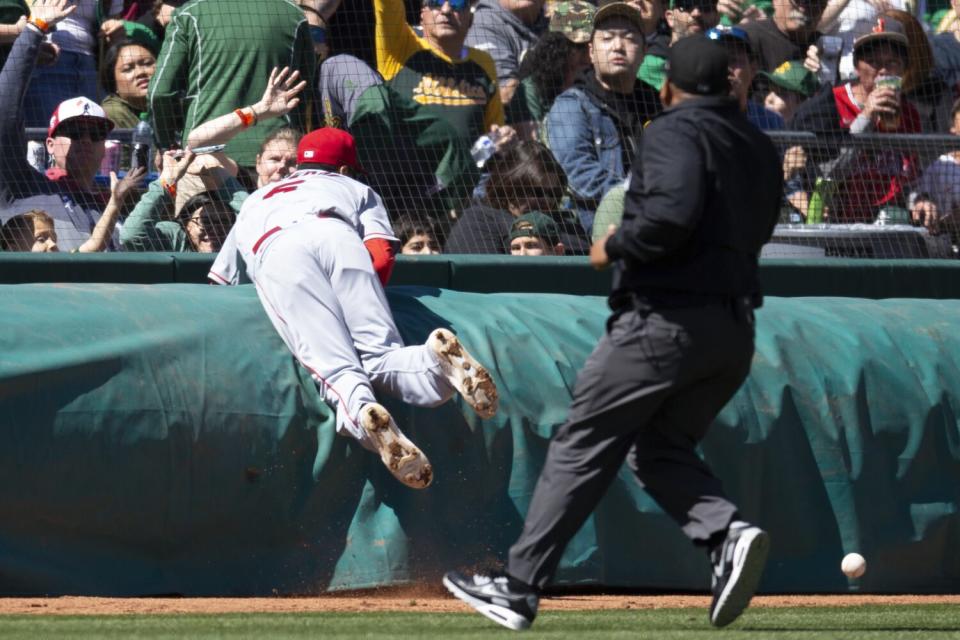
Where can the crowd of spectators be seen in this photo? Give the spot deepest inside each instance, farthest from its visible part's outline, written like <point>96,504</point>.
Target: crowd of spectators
<point>561,88</point>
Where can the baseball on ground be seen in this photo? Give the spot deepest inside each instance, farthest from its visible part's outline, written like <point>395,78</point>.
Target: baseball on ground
<point>853,565</point>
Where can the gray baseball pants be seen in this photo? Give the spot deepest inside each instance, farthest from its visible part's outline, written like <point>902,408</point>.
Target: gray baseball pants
<point>648,394</point>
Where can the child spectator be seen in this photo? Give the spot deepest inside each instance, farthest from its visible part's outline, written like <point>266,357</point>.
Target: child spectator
<point>35,230</point>
<point>535,234</point>
<point>937,201</point>
<point>525,177</point>
<point>418,236</point>
<point>790,85</point>
<point>31,231</point>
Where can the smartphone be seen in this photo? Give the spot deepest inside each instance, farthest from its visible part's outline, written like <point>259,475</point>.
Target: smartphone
<point>213,148</point>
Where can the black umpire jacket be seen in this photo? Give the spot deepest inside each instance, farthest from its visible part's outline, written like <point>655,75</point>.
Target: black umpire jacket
<point>704,196</point>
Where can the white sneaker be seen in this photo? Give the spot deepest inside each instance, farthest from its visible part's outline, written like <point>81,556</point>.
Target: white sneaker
<point>467,376</point>
<point>403,458</point>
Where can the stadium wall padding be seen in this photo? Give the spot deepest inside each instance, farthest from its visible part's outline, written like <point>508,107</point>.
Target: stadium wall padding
<point>875,279</point>
<point>160,439</point>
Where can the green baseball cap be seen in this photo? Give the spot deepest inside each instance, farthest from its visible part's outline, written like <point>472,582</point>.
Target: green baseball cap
<point>793,76</point>
<point>535,224</point>
<point>610,8</point>
<point>574,19</point>
<point>142,35</point>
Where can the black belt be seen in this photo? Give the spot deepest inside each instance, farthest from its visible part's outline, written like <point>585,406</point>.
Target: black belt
<point>682,300</point>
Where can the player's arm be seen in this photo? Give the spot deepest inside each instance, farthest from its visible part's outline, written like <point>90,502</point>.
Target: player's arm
<point>383,253</point>
<point>378,236</point>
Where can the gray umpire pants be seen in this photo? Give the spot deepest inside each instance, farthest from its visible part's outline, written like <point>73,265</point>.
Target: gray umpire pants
<point>648,393</point>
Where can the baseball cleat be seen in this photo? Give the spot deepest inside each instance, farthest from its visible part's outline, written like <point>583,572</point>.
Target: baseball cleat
<point>467,376</point>
<point>737,567</point>
<point>403,458</point>
<point>504,600</point>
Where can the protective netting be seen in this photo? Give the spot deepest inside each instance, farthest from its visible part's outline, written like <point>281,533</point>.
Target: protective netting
<point>467,116</point>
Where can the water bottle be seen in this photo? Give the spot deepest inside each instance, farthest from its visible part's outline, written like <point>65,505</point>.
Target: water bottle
<point>820,200</point>
<point>142,140</point>
<point>484,148</point>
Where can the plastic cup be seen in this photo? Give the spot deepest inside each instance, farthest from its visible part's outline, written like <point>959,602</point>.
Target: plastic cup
<point>890,121</point>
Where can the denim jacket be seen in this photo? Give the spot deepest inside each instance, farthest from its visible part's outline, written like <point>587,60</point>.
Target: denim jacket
<point>585,141</point>
<point>587,128</point>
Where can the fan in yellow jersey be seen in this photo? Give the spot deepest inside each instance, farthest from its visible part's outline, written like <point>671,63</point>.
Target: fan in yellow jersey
<point>437,71</point>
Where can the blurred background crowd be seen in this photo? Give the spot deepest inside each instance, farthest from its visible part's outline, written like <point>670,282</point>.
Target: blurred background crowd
<point>487,126</point>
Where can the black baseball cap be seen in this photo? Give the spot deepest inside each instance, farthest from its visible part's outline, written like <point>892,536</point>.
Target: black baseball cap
<point>699,66</point>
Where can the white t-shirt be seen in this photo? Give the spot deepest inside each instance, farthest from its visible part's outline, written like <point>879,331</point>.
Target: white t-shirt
<point>78,32</point>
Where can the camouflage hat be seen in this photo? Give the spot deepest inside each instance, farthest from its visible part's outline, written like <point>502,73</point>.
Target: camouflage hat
<point>574,19</point>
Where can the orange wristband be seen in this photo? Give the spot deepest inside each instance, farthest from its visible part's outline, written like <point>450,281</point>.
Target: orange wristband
<point>43,25</point>
<point>171,189</point>
<point>246,119</point>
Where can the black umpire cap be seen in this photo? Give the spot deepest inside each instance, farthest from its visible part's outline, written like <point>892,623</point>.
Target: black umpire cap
<point>699,66</point>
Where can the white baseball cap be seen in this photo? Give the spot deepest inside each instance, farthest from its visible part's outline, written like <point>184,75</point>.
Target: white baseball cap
<point>79,107</point>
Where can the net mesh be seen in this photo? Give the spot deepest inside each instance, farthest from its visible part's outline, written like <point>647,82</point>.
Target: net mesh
<point>141,126</point>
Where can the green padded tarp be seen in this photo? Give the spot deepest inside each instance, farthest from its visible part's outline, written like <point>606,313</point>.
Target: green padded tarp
<point>160,439</point>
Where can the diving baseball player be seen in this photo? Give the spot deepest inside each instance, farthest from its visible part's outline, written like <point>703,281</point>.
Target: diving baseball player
<point>307,242</point>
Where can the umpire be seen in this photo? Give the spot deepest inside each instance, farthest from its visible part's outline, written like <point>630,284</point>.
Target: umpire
<point>703,198</point>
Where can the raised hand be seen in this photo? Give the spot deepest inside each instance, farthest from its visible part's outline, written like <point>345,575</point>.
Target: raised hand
<point>120,189</point>
<point>280,96</point>
<point>52,11</point>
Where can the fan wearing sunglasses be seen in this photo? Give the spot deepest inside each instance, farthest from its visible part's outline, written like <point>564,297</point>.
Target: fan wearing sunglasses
<point>790,35</point>
<point>446,78</point>
<point>75,142</point>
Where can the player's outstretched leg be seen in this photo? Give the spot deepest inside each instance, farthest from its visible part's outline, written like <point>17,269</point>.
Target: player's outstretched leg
<point>403,458</point>
<point>737,567</point>
<point>501,598</point>
<point>464,373</point>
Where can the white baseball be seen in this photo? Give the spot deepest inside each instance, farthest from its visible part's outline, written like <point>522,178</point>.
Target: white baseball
<point>853,565</point>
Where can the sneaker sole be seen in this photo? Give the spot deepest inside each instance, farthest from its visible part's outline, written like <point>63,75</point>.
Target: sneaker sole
<point>467,376</point>
<point>503,616</point>
<point>749,558</point>
<point>403,458</point>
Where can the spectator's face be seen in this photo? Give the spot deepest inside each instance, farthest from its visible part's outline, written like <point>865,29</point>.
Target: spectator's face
<point>742,72</point>
<point>204,236</point>
<point>44,238</point>
<point>783,101</point>
<point>692,16</point>
<point>797,16</point>
<point>41,239</point>
<point>616,48</point>
<point>77,147</point>
<point>955,129</point>
<point>420,244</point>
<point>529,246</point>
<point>881,59</point>
<point>443,21</point>
<point>276,162</point>
<point>135,66</point>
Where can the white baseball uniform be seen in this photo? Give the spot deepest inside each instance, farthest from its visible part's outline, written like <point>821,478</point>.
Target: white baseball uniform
<point>301,240</point>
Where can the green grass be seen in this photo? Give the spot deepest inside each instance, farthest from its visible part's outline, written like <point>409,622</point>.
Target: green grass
<point>874,622</point>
